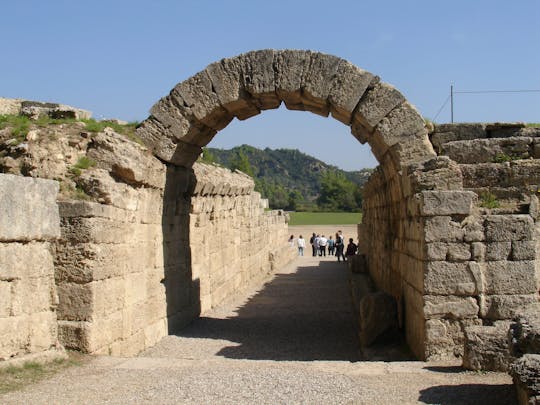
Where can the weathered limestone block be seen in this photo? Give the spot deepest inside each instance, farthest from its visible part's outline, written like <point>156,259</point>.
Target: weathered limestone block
<point>402,125</point>
<point>347,88</point>
<point>454,252</point>
<point>228,86</point>
<point>291,68</point>
<point>443,278</point>
<point>523,250</point>
<point>28,209</point>
<point>525,372</point>
<point>509,228</point>
<point>258,78</point>
<point>374,106</point>
<point>317,83</point>
<point>442,229</point>
<point>486,347</point>
<point>496,307</point>
<point>198,101</point>
<point>487,150</point>
<point>36,109</point>
<point>444,338</point>
<point>439,173</point>
<point>507,277</point>
<point>457,132</point>
<point>378,316</point>
<point>447,202</point>
<point>524,335</point>
<point>361,285</point>
<point>28,296</point>
<point>99,184</point>
<point>126,160</point>
<point>450,307</point>
<point>498,251</point>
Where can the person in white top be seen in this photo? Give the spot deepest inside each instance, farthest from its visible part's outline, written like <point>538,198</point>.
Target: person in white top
<point>301,245</point>
<point>322,246</point>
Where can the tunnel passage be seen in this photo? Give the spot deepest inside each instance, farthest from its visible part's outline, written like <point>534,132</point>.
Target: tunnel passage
<point>392,233</point>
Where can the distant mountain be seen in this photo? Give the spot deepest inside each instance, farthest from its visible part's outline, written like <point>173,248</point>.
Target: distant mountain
<point>284,172</point>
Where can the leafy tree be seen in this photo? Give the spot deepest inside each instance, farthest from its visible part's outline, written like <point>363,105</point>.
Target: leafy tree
<point>337,193</point>
<point>208,157</point>
<point>241,162</point>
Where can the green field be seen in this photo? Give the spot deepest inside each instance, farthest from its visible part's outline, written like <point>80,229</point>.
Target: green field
<point>325,218</point>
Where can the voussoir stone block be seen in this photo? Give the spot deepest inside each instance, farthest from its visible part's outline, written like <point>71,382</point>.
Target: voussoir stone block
<point>258,78</point>
<point>291,66</point>
<point>197,97</point>
<point>28,209</point>
<point>375,105</point>
<point>400,125</point>
<point>228,86</point>
<point>347,88</point>
<point>317,82</point>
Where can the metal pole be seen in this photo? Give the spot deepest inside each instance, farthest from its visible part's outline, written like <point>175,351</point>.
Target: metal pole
<point>452,103</point>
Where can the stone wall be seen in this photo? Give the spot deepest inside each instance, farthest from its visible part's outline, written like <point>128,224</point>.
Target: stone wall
<point>29,223</point>
<point>455,241</point>
<point>234,242</point>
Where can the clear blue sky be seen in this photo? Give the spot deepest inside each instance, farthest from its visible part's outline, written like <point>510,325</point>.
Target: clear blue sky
<point>118,57</point>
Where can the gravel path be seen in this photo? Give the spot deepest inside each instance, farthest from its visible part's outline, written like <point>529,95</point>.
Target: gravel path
<point>289,341</point>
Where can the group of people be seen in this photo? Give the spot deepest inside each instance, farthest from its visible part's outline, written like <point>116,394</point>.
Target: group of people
<point>320,245</point>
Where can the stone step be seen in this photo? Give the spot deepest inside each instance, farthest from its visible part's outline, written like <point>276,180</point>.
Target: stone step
<point>460,132</point>
<point>519,174</point>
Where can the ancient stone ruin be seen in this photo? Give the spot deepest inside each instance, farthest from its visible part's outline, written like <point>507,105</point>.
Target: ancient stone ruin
<point>449,229</point>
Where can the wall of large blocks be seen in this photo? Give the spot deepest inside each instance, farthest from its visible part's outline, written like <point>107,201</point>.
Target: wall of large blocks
<point>450,260</point>
<point>130,273</point>
<point>29,224</point>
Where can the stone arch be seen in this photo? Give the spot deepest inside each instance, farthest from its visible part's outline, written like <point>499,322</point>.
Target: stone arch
<point>184,121</point>
<point>241,87</point>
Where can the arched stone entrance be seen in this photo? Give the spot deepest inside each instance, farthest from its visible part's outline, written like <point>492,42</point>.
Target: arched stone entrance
<point>241,87</point>
<point>397,208</point>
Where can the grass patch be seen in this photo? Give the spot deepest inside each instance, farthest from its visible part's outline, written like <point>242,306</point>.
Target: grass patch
<point>83,163</point>
<point>533,124</point>
<point>325,218</point>
<point>19,124</point>
<point>128,130</point>
<point>503,157</point>
<point>489,200</point>
<point>14,378</point>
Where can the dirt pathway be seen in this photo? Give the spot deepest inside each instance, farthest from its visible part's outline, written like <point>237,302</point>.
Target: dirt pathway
<point>288,341</point>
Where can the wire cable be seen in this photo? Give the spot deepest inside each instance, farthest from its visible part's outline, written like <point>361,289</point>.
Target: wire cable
<point>440,109</point>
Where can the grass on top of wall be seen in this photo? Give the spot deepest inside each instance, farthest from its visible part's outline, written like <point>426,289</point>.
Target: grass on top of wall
<point>325,218</point>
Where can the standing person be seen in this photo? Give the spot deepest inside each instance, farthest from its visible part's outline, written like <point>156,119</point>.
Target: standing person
<point>331,246</point>
<point>339,246</point>
<point>301,243</point>
<point>291,241</point>
<point>312,241</point>
<point>351,248</point>
<point>322,246</point>
<point>316,243</point>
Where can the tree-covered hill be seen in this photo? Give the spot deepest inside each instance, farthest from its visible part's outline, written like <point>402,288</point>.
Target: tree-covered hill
<point>293,180</point>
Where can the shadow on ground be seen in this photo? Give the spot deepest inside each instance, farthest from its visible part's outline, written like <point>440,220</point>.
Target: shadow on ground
<point>469,394</point>
<point>301,316</point>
